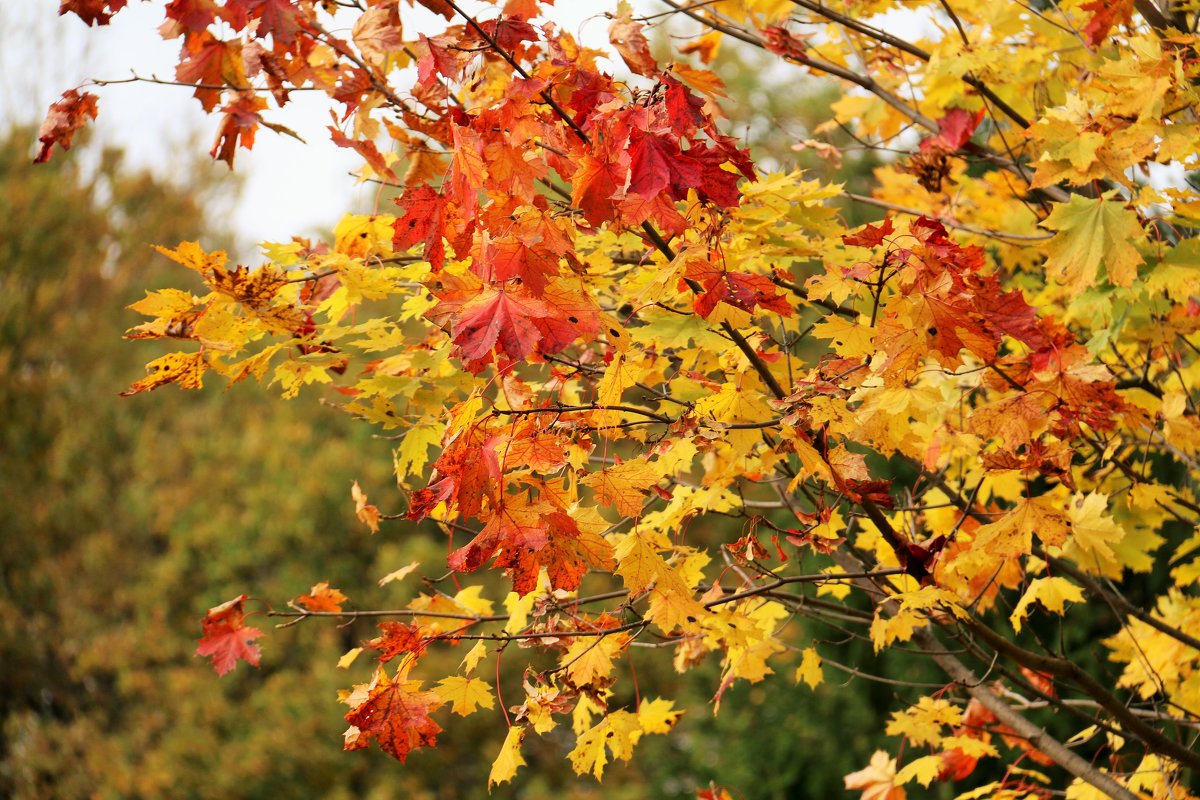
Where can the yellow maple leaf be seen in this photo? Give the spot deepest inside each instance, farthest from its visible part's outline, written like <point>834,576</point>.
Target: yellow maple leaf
<point>192,256</point>
<point>399,574</point>
<point>810,671</point>
<point>509,759</point>
<point>1012,534</point>
<point>412,455</point>
<point>1093,534</point>
<point>618,731</point>
<point>1091,231</point>
<point>466,694</point>
<point>658,715</point>
<point>624,485</point>
<point>589,659</point>
<point>642,568</point>
<point>471,660</point>
<point>358,236</point>
<point>923,722</point>
<point>185,369</point>
<point>923,770</point>
<point>1052,593</point>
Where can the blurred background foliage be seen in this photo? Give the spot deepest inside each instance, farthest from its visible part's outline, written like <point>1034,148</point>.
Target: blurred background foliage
<point>127,517</point>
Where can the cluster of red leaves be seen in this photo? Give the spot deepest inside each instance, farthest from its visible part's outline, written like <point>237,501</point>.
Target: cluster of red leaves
<point>522,535</point>
<point>628,159</point>
<point>965,310</point>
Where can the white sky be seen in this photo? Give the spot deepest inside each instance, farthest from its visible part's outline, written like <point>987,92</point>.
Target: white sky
<point>290,188</point>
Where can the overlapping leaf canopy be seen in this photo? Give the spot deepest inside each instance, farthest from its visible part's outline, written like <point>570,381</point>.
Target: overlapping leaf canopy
<point>596,324</point>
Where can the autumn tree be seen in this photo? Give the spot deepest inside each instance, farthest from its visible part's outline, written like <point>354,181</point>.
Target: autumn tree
<point>595,328</point>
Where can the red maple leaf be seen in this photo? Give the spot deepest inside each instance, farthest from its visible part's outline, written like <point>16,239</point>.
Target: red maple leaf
<point>500,319</point>
<point>192,16</point>
<point>423,221</point>
<point>954,131</point>
<point>98,12</point>
<point>396,715</point>
<point>570,314</point>
<point>239,125</point>
<point>397,638</point>
<point>739,289</point>
<point>685,111</point>
<point>1105,14</point>
<point>365,148</point>
<point>463,475</point>
<point>596,183</point>
<point>870,235</point>
<point>226,637</point>
<point>783,42</point>
<point>718,184</point>
<point>524,537</point>
<point>282,19</point>
<point>657,165</point>
<point>209,63</point>
<point>65,117</point>
<point>514,525</point>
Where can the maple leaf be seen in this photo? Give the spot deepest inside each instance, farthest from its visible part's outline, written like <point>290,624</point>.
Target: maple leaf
<point>1012,535</point>
<point>626,36</point>
<point>617,733</point>
<point>504,768</point>
<point>192,16</point>
<point>1051,593</point>
<point>595,185</point>
<point>66,116</point>
<point>465,694</point>
<point>282,20</point>
<point>870,235</point>
<point>423,222</point>
<point>877,780</point>
<point>625,485</point>
<point>366,512</point>
<point>642,568</point>
<point>322,597</point>
<point>396,715</point>
<point>93,12</point>
<point>185,369</point>
<point>239,125</point>
<point>954,130</point>
<point>211,63</point>
<point>809,671</point>
<point>783,42</point>
<point>738,289</point>
<point>463,475</point>
<point>1094,533</point>
<point>227,639</point>
<point>397,638</point>
<point>1089,231</point>
<point>657,164</point>
<point>706,46</point>
<point>499,319</point>
<point>1105,14</point>
<point>377,33</point>
<point>515,526</point>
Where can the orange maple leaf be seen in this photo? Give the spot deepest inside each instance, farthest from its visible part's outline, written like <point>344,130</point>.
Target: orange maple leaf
<point>396,715</point>
<point>226,637</point>
<point>322,597</point>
